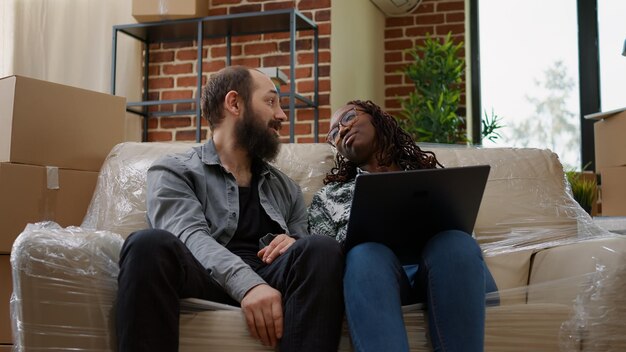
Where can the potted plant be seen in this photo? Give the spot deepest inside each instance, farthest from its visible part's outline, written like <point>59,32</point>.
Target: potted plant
<point>429,113</point>
<point>584,189</point>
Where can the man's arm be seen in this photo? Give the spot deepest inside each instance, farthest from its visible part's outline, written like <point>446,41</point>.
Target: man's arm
<point>297,225</point>
<point>297,221</point>
<point>172,204</point>
<point>284,197</point>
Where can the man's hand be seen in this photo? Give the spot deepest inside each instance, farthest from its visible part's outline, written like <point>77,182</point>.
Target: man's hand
<point>278,246</point>
<point>263,309</point>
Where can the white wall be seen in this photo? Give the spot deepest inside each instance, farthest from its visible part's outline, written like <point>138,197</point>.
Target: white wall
<point>69,42</point>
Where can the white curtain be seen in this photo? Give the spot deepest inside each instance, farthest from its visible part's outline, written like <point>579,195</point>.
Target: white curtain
<point>7,17</point>
<point>69,42</point>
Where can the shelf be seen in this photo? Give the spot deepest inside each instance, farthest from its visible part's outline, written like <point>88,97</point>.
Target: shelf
<point>217,26</point>
<point>225,26</point>
<point>140,108</point>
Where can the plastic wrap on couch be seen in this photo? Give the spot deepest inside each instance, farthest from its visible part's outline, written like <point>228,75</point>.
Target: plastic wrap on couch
<point>598,318</point>
<point>562,278</point>
<point>524,205</point>
<point>574,301</point>
<point>64,285</point>
<point>118,204</point>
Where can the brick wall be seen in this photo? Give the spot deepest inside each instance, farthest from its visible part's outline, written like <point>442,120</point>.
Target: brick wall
<point>173,75</point>
<point>172,71</point>
<point>434,17</point>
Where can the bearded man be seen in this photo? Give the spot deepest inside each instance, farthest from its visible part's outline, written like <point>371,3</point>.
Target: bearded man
<point>208,208</point>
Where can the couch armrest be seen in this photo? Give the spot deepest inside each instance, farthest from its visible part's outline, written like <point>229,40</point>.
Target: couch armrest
<point>65,281</point>
<point>572,265</point>
<point>589,276</point>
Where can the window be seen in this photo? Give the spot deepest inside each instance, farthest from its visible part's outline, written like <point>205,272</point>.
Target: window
<point>529,74</point>
<point>612,33</point>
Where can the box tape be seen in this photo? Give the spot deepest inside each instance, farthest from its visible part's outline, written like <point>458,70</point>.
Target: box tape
<point>163,7</point>
<point>52,177</point>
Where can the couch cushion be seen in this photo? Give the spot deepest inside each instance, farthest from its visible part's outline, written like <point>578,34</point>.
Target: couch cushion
<point>118,204</point>
<point>119,201</point>
<point>66,282</point>
<point>521,327</point>
<point>526,203</point>
<point>307,164</point>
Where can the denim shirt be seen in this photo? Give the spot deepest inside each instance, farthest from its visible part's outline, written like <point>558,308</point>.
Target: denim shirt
<point>193,196</point>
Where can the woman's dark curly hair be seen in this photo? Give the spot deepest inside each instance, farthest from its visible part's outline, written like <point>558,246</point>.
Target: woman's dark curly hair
<point>394,146</point>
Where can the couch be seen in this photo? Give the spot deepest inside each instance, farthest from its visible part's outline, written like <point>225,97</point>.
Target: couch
<point>561,278</point>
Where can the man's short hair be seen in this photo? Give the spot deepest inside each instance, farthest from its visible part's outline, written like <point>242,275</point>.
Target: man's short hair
<point>237,78</point>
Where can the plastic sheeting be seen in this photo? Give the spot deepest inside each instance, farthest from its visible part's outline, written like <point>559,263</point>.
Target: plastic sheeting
<point>119,199</point>
<point>561,277</point>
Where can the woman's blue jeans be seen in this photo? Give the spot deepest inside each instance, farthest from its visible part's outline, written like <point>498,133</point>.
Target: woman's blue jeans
<point>452,279</point>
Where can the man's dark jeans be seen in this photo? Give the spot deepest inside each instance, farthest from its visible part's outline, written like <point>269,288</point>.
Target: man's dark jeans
<point>157,270</point>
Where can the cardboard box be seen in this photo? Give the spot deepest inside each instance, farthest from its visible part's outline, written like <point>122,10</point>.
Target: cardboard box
<point>44,123</point>
<point>6,288</point>
<point>609,138</point>
<point>160,10</point>
<point>614,191</point>
<point>36,193</point>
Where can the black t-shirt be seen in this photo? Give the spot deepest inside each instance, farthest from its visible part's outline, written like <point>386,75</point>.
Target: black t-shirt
<point>253,224</point>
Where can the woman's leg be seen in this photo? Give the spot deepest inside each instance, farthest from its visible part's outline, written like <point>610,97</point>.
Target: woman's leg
<point>452,278</point>
<point>374,287</point>
<point>493,297</point>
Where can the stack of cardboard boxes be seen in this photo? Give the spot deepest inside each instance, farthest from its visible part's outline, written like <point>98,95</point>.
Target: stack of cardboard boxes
<point>53,141</point>
<point>610,146</point>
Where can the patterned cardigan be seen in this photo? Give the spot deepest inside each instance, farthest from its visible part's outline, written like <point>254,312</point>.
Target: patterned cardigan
<point>330,209</point>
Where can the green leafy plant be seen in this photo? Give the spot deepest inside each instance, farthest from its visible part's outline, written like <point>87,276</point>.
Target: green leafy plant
<point>429,113</point>
<point>584,189</point>
<point>491,127</point>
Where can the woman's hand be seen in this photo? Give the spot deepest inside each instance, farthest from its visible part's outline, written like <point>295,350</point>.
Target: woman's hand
<point>278,246</point>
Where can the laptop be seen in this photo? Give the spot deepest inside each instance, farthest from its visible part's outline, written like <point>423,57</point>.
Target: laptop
<point>406,208</point>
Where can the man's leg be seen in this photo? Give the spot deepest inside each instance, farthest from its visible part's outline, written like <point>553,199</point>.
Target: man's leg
<point>309,277</point>
<point>156,270</point>
<point>374,286</point>
<point>452,277</point>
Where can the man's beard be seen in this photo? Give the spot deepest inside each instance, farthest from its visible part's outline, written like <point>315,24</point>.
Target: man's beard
<point>259,140</point>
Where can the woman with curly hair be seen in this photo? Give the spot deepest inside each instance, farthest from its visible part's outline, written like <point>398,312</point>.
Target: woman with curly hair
<point>448,273</point>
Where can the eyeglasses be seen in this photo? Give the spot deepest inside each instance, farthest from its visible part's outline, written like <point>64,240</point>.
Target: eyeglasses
<point>348,119</point>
